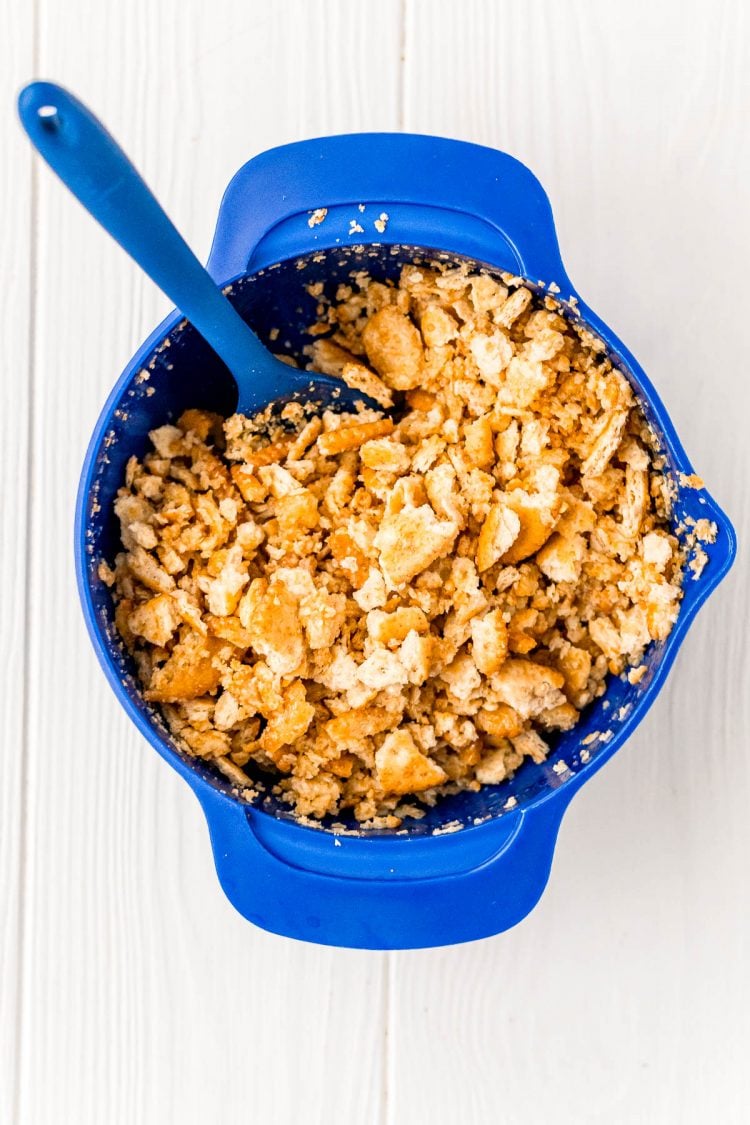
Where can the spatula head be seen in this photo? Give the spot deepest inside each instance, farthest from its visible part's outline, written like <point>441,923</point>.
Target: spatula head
<point>281,384</point>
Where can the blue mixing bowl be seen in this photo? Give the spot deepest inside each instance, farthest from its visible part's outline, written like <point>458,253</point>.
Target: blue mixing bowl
<point>478,862</point>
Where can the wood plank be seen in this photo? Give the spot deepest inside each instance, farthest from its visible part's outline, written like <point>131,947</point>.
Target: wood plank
<point>146,998</point>
<point>622,998</point>
<point>17,255</point>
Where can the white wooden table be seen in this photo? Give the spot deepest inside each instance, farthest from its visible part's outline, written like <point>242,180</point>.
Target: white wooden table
<point>130,991</point>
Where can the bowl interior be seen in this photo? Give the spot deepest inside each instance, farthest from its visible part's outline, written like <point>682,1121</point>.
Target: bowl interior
<point>183,372</point>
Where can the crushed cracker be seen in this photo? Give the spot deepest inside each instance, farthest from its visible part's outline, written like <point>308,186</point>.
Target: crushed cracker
<point>369,608</point>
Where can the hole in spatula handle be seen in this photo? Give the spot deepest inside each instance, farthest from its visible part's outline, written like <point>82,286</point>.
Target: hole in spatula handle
<point>49,117</point>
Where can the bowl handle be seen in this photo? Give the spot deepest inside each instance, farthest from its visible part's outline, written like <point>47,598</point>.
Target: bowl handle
<point>463,182</point>
<point>300,894</point>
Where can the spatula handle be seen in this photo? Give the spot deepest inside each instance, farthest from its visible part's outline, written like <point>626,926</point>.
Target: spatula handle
<point>93,166</point>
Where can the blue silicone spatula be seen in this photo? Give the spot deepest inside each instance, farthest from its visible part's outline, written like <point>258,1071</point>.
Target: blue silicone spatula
<point>91,163</point>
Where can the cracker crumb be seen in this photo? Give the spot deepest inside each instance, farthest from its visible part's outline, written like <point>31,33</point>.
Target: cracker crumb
<point>381,222</point>
<point>317,216</point>
<point>691,480</point>
<point>698,562</point>
<point>705,530</point>
<point>106,574</point>
<point>447,829</point>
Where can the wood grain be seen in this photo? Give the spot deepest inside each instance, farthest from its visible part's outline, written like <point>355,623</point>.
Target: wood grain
<point>621,999</point>
<point>16,395</point>
<point>130,991</point>
<point>145,997</point>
